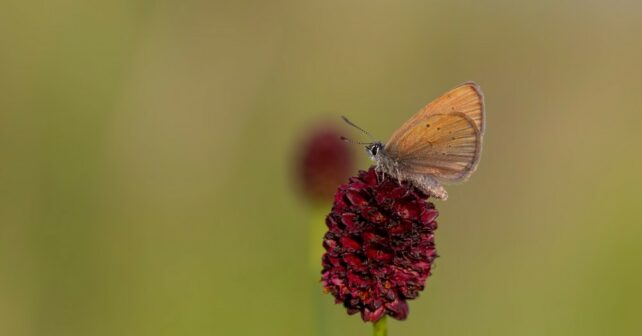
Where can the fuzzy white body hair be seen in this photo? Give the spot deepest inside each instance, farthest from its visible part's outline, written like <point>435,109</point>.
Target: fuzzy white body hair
<point>426,183</point>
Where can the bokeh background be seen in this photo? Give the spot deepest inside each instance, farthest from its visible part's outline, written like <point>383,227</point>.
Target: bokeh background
<point>146,181</point>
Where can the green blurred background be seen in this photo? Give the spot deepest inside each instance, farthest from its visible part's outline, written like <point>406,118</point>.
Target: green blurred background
<point>146,162</point>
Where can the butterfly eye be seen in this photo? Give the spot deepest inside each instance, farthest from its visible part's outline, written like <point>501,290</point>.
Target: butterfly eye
<point>374,150</point>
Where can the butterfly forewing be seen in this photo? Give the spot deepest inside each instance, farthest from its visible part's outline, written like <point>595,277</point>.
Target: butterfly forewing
<point>466,98</point>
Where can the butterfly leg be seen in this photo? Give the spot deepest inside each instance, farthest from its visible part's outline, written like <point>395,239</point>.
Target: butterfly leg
<point>383,174</point>
<point>399,177</point>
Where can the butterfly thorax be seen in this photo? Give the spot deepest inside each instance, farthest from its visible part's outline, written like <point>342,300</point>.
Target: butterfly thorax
<point>386,163</point>
<point>383,161</point>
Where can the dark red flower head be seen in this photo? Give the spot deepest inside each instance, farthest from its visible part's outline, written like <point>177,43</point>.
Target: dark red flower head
<point>379,245</point>
<point>324,162</point>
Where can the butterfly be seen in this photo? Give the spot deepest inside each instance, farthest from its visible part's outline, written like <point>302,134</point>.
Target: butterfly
<point>440,144</point>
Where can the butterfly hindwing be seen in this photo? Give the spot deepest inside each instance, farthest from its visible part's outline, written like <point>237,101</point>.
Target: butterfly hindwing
<point>446,146</point>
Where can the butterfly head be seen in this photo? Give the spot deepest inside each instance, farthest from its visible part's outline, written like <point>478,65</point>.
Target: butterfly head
<point>374,150</point>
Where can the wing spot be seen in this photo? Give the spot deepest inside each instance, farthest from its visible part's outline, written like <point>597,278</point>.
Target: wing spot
<point>439,128</point>
<point>453,138</point>
<point>427,125</point>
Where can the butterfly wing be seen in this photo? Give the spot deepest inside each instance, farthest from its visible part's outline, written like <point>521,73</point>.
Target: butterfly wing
<point>447,146</point>
<point>444,138</point>
<point>466,98</point>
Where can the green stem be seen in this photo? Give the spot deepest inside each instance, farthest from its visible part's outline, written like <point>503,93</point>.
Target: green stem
<point>380,328</point>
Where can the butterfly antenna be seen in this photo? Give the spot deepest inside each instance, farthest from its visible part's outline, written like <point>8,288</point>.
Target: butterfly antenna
<point>357,127</point>
<point>354,142</point>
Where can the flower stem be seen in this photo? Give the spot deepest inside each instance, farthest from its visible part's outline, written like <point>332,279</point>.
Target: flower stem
<point>380,328</point>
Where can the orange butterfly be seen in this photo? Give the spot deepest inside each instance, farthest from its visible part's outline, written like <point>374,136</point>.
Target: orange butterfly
<point>440,143</point>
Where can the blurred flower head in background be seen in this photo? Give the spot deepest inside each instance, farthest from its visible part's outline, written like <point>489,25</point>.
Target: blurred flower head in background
<point>379,245</point>
<point>323,162</point>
